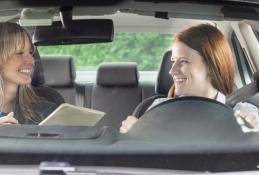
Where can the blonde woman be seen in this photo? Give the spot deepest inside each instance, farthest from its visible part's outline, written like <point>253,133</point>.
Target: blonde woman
<point>17,98</point>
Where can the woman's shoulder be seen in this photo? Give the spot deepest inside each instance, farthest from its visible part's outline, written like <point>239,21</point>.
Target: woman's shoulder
<point>158,101</point>
<point>47,104</point>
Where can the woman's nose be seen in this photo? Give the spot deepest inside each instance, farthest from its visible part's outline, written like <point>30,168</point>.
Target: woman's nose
<point>174,69</point>
<point>29,59</point>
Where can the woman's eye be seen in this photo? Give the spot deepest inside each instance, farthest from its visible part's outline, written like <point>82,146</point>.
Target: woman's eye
<point>184,61</point>
<point>19,54</point>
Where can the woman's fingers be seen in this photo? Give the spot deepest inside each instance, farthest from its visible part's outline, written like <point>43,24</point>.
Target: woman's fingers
<point>127,124</point>
<point>9,119</point>
<point>250,118</point>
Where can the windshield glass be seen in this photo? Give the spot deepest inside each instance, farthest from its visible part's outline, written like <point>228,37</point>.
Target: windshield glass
<point>143,84</point>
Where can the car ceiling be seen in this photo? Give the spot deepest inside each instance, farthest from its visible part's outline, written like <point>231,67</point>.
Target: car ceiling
<point>173,9</point>
<point>181,14</point>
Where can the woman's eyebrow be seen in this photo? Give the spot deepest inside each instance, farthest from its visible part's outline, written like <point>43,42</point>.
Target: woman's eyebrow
<point>183,57</point>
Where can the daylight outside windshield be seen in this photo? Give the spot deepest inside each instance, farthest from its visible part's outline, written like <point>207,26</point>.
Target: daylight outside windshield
<point>129,84</point>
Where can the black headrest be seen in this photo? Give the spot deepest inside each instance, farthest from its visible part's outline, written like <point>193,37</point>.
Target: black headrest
<point>117,74</point>
<point>59,71</point>
<point>38,74</point>
<point>164,79</point>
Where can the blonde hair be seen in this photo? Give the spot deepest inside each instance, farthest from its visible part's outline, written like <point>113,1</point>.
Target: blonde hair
<point>211,44</point>
<point>12,39</point>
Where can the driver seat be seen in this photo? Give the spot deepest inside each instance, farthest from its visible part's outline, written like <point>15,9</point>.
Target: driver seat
<point>163,84</point>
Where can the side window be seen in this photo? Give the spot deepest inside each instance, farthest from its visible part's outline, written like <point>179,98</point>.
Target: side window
<point>242,63</point>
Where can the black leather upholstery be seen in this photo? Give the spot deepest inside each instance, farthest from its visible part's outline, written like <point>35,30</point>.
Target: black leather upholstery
<point>163,84</point>
<point>59,71</point>
<point>49,94</point>
<point>117,74</point>
<point>164,79</point>
<point>38,74</point>
<point>117,92</point>
<point>38,81</point>
<point>59,74</point>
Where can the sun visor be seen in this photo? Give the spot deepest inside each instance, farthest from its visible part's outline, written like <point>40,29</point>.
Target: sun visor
<point>36,17</point>
<point>79,32</point>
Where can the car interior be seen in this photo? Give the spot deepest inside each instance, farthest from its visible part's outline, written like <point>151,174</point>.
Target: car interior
<point>168,138</point>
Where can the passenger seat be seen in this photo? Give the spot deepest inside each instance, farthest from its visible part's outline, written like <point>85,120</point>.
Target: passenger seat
<point>163,84</point>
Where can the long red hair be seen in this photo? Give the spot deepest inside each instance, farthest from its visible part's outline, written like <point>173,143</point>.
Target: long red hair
<point>216,53</point>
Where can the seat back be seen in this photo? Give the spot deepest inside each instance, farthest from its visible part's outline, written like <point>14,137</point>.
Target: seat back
<point>59,74</point>
<point>116,92</point>
<point>164,79</point>
<point>163,84</point>
<point>38,83</point>
<point>38,73</point>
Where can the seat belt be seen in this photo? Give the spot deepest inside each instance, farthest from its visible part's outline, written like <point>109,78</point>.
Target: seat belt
<point>80,95</point>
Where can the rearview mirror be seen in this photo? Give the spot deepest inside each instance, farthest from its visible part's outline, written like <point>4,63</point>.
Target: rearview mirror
<point>80,32</point>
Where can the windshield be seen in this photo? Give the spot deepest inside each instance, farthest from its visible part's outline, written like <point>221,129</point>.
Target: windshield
<point>129,84</point>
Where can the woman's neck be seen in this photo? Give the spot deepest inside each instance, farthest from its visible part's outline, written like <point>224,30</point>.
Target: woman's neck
<point>10,93</point>
<point>211,93</point>
<point>208,92</point>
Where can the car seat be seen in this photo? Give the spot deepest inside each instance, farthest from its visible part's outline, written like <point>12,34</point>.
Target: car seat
<point>163,84</point>
<point>38,83</point>
<point>117,92</point>
<point>60,74</point>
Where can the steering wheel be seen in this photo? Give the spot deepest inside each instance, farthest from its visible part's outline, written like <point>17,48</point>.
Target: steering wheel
<point>186,120</point>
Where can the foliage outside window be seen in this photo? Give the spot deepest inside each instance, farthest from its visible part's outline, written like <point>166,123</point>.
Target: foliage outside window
<point>146,49</point>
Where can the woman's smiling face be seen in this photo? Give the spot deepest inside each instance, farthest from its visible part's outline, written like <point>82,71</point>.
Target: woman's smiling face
<point>189,71</point>
<point>18,68</point>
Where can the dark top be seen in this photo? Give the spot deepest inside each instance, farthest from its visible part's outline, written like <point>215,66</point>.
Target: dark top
<point>43,109</point>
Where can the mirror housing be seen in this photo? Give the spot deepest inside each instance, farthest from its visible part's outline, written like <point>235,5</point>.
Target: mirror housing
<point>80,32</point>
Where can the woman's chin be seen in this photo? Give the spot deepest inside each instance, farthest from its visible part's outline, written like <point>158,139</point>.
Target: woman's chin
<point>25,82</point>
<point>179,94</point>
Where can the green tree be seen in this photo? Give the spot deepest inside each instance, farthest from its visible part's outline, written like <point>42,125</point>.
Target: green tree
<point>146,49</point>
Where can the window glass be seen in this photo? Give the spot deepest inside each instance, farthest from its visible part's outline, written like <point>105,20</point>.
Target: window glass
<point>146,49</point>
